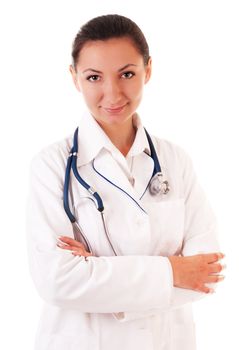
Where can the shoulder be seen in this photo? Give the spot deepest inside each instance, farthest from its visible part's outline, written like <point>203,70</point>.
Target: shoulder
<point>170,151</point>
<point>53,156</point>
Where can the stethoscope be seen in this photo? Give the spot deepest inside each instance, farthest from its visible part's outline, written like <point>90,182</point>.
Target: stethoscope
<point>157,186</point>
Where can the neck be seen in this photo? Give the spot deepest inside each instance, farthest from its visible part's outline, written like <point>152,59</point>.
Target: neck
<point>121,135</point>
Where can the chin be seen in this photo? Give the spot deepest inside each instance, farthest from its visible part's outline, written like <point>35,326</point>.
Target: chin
<point>116,119</point>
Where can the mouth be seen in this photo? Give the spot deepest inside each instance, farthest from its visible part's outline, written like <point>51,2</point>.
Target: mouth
<point>115,110</point>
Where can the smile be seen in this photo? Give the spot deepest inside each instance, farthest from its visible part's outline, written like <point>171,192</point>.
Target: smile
<point>114,110</point>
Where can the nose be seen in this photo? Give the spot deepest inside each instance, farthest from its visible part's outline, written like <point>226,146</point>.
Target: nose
<point>112,93</point>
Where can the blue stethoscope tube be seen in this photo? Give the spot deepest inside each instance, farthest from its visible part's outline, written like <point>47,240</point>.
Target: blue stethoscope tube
<point>72,164</point>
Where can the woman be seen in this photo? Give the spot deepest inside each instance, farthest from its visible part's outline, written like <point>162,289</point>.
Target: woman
<point>126,277</point>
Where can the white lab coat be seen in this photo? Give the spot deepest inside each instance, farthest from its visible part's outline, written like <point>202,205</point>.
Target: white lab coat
<point>107,302</point>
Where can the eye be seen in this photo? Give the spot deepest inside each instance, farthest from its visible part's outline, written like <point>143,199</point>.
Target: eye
<point>128,75</point>
<point>93,78</point>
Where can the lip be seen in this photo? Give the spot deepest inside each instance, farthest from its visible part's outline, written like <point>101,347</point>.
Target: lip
<point>115,110</point>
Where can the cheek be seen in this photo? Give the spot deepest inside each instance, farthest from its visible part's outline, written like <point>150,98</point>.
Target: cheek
<point>91,95</point>
<point>135,89</point>
<point>135,92</point>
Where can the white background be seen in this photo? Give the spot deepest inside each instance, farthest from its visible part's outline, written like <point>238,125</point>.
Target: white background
<point>191,100</point>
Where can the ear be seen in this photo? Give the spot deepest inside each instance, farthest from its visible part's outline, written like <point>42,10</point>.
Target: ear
<point>74,77</point>
<point>148,70</point>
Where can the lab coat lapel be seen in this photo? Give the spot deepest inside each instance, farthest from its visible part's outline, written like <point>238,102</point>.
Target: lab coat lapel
<point>109,170</point>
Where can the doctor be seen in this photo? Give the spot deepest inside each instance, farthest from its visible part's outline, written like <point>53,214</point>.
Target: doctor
<point>127,277</point>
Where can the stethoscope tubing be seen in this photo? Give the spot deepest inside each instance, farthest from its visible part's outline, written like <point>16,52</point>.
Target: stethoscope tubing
<point>72,165</point>
<point>157,167</point>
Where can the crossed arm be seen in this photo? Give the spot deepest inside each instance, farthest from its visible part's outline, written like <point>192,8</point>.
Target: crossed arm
<point>189,272</point>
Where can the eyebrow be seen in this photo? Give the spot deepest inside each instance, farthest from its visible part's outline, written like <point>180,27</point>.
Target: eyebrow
<point>97,71</point>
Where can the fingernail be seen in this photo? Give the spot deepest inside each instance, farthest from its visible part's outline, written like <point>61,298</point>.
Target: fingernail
<point>221,278</point>
<point>61,240</point>
<point>211,291</point>
<point>75,253</point>
<point>61,244</point>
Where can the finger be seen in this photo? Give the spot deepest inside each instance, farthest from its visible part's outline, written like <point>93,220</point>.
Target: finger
<point>80,250</point>
<point>71,241</point>
<point>84,253</point>
<point>214,279</point>
<point>206,290</point>
<point>215,268</point>
<point>64,246</point>
<point>67,239</point>
<point>68,246</point>
<point>213,257</point>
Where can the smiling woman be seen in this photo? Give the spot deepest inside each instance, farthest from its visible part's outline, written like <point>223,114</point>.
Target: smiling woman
<point>114,88</point>
<point>134,250</point>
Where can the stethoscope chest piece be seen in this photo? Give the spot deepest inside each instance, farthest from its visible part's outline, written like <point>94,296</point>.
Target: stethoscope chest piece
<point>157,185</point>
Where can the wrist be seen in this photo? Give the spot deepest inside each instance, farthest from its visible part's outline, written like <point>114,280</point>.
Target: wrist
<point>174,263</point>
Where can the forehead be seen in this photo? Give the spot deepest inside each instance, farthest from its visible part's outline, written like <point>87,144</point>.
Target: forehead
<point>115,51</point>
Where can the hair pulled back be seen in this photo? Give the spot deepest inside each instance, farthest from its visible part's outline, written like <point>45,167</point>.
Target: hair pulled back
<point>106,27</point>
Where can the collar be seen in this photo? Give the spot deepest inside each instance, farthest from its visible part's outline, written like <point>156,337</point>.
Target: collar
<point>92,139</point>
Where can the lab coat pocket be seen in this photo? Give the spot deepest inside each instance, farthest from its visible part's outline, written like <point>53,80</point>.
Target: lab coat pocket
<point>143,339</point>
<point>167,225</point>
<point>182,336</point>
<point>63,342</point>
<point>136,339</point>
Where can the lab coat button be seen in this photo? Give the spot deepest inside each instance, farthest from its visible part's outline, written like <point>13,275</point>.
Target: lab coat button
<point>132,181</point>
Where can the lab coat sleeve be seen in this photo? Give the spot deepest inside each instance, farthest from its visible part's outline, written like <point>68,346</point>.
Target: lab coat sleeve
<point>200,234</point>
<point>93,284</point>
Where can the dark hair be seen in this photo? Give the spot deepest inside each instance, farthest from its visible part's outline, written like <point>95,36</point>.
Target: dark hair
<point>107,27</point>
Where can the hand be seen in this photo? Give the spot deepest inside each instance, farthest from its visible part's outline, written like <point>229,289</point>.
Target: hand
<point>71,244</point>
<point>192,272</point>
